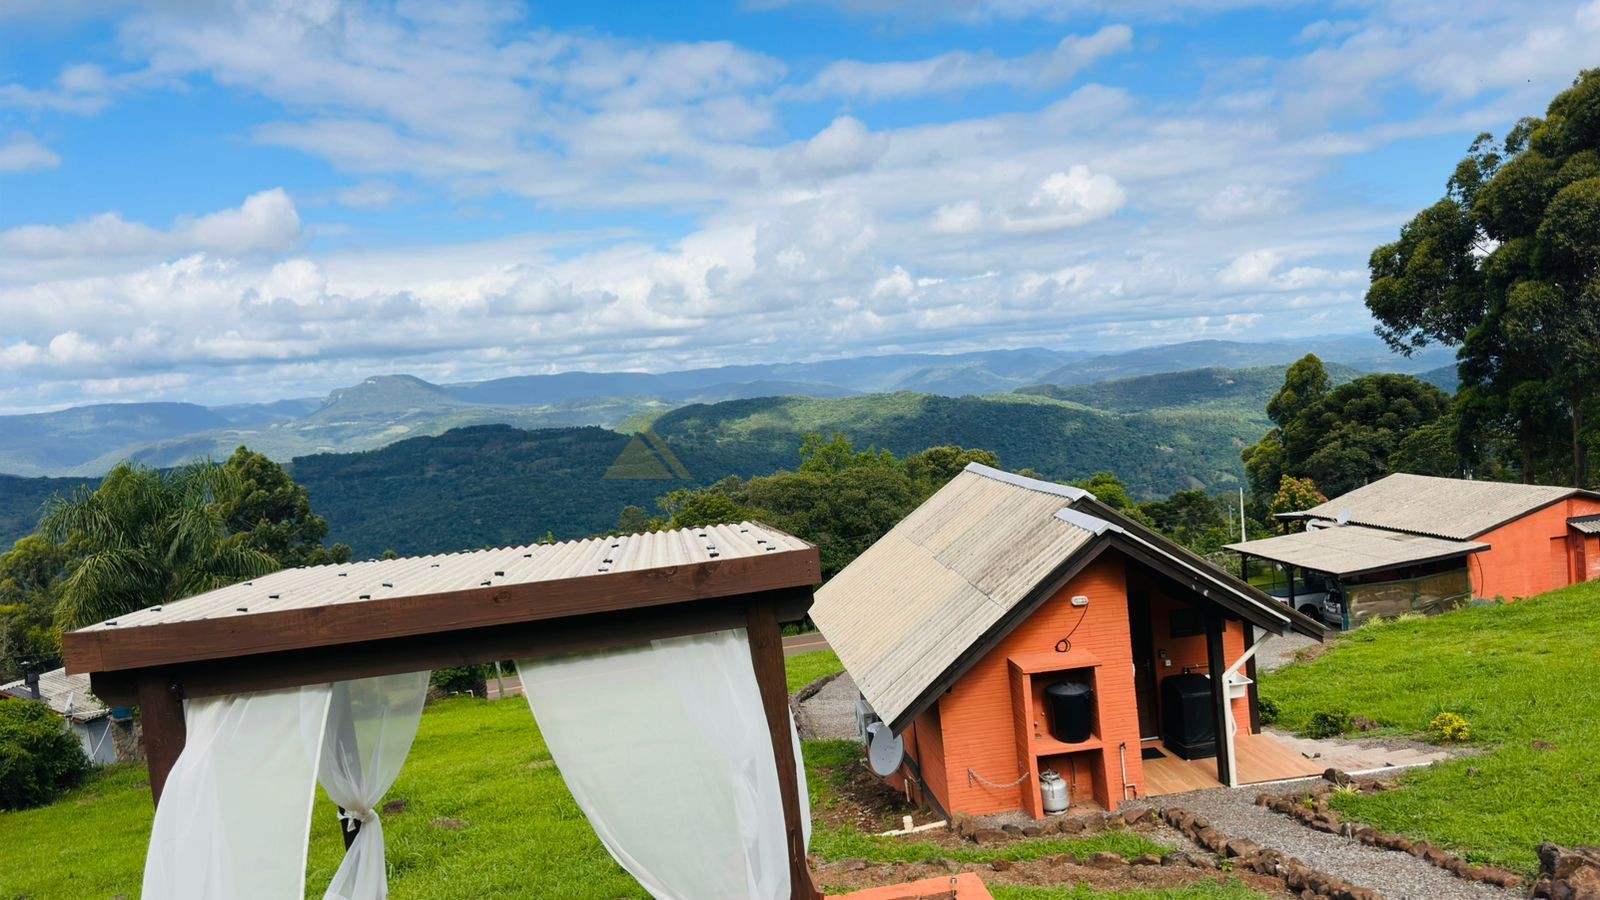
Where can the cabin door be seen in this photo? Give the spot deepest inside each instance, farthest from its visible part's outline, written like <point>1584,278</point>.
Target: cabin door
<point>1144,664</point>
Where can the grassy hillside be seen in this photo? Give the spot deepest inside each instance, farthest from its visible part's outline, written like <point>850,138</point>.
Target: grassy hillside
<point>1521,674</point>
<point>487,815</point>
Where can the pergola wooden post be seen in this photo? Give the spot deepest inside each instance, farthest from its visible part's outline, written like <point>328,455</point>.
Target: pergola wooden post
<point>342,622</point>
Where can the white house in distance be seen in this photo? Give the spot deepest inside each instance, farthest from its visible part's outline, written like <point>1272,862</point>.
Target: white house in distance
<point>68,696</point>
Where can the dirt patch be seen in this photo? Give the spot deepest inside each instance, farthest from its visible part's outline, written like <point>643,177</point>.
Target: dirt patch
<point>857,799</point>
<point>855,874</point>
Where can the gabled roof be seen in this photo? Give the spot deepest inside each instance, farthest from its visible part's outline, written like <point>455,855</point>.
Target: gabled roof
<point>67,695</point>
<point>1451,508</point>
<point>928,600</point>
<point>1354,549</point>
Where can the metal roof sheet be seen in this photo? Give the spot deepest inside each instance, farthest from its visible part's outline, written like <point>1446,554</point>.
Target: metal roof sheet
<point>1585,524</point>
<point>1443,507</point>
<point>1353,549</point>
<point>375,580</point>
<point>67,695</point>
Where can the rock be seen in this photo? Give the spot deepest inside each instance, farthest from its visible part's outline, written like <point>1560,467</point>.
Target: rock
<point>1070,826</point>
<point>964,825</point>
<point>1239,847</point>
<point>1001,864</point>
<point>851,864</point>
<point>990,836</point>
<point>1032,831</point>
<point>1176,858</point>
<point>448,824</point>
<point>1013,830</point>
<point>1569,871</point>
<point>1147,859</point>
<point>1105,860</point>
<point>1544,745</point>
<point>1336,776</point>
<point>1064,859</point>
<point>394,807</point>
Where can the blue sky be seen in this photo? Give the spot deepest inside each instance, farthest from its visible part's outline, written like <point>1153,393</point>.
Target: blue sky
<point>220,202</point>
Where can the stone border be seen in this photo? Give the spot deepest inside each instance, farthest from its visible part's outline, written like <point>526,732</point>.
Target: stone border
<point>1247,854</point>
<point>1318,816</point>
<point>1567,873</point>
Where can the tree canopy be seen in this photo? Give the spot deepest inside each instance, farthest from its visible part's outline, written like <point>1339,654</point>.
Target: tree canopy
<point>1506,266</point>
<point>271,513</point>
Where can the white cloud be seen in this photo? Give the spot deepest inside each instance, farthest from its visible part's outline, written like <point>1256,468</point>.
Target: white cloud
<point>961,70</point>
<point>372,194</point>
<point>1068,199</point>
<point>22,152</point>
<point>846,145</point>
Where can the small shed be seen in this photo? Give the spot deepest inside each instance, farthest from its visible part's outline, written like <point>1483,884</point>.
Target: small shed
<point>999,591</point>
<point>69,697</point>
<point>1423,543</point>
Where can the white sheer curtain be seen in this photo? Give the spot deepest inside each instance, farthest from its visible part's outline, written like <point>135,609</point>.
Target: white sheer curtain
<point>666,750</point>
<point>235,817</point>
<point>371,724</point>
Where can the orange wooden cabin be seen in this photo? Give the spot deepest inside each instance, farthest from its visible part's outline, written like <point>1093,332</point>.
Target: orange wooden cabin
<point>955,623</point>
<point>1498,539</point>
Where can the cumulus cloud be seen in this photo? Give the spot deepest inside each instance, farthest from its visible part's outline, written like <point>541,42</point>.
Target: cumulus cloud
<point>1095,216</point>
<point>22,152</point>
<point>961,70</point>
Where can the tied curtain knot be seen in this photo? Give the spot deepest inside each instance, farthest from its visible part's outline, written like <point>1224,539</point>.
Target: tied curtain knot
<point>353,818</point>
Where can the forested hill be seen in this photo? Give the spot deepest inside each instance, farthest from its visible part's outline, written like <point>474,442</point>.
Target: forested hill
<point>487,485</point>
<point>1244,392</point>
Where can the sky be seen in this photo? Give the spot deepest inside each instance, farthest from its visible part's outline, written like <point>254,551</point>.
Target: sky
<point>219,202</point>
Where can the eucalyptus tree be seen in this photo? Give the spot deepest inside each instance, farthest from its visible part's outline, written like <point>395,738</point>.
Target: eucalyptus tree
<point>1507,268</point>
<point>146,537</point>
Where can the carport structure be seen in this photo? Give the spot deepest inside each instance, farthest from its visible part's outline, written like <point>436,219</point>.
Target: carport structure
<point>333,629</point>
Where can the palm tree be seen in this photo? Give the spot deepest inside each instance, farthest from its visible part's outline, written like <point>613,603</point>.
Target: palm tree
<point>146,537</point>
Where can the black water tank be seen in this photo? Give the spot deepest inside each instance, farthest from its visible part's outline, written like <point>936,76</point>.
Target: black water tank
<point>1071,706</point>
<point>1187,726</point>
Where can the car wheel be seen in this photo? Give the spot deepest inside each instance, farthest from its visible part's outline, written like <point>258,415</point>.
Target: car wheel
<point>1312,610</point>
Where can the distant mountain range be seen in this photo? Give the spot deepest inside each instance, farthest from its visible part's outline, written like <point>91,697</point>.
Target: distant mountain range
<point>88,440</point>
<point>485,484</point>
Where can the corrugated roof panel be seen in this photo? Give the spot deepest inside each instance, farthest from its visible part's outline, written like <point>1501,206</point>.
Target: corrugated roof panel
<point>1353,549</point>
<point>1442,507</point>
<point>904,611</point>
<point>1585,524</point>
<point>63,693</point>
<point>341,583</point>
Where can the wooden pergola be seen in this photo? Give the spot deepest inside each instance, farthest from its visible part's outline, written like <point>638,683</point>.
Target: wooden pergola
<point>341,622</point>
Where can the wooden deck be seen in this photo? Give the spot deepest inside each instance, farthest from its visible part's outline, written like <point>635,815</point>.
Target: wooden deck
<point>965,886</point>
<point>1260,758</point>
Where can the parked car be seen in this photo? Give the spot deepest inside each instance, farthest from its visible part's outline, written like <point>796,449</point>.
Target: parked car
<point>1316,595</point>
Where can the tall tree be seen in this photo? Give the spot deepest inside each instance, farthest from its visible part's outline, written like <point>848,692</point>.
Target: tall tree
<point>145,537</point>
<point>31,573</point>
<point>271,513</point>
<point>1507,268</point>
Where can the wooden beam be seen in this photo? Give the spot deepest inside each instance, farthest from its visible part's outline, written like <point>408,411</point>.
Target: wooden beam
<point>331,624</point>
<point>1250,673</point>
<point>161,717</point>
<point>1217,667</point>
<point>766,656</point>
<point>323,665</point>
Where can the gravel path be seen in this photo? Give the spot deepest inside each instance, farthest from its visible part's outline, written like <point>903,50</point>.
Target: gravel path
<point>1395,875</point>
<point>1278,650</point>
<point>830,713</point>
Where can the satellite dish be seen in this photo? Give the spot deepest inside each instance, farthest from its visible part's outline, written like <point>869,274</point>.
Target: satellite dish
<point>885,749</point>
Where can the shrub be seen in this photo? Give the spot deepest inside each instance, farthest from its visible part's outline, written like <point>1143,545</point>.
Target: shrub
<point>1451,728</point>
<point>462,680</point>
<point>1268,708</point>
<point>1329,723</point>
<point>39,758</point>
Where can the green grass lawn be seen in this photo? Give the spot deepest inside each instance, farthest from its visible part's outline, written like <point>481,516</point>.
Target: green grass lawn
<point>485,766</point>
<point>808,667</point>
<point>1519,673</point>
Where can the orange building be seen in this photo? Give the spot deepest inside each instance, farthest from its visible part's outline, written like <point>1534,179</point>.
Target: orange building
<point>1000,592</point>
<point>1498,539</point>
